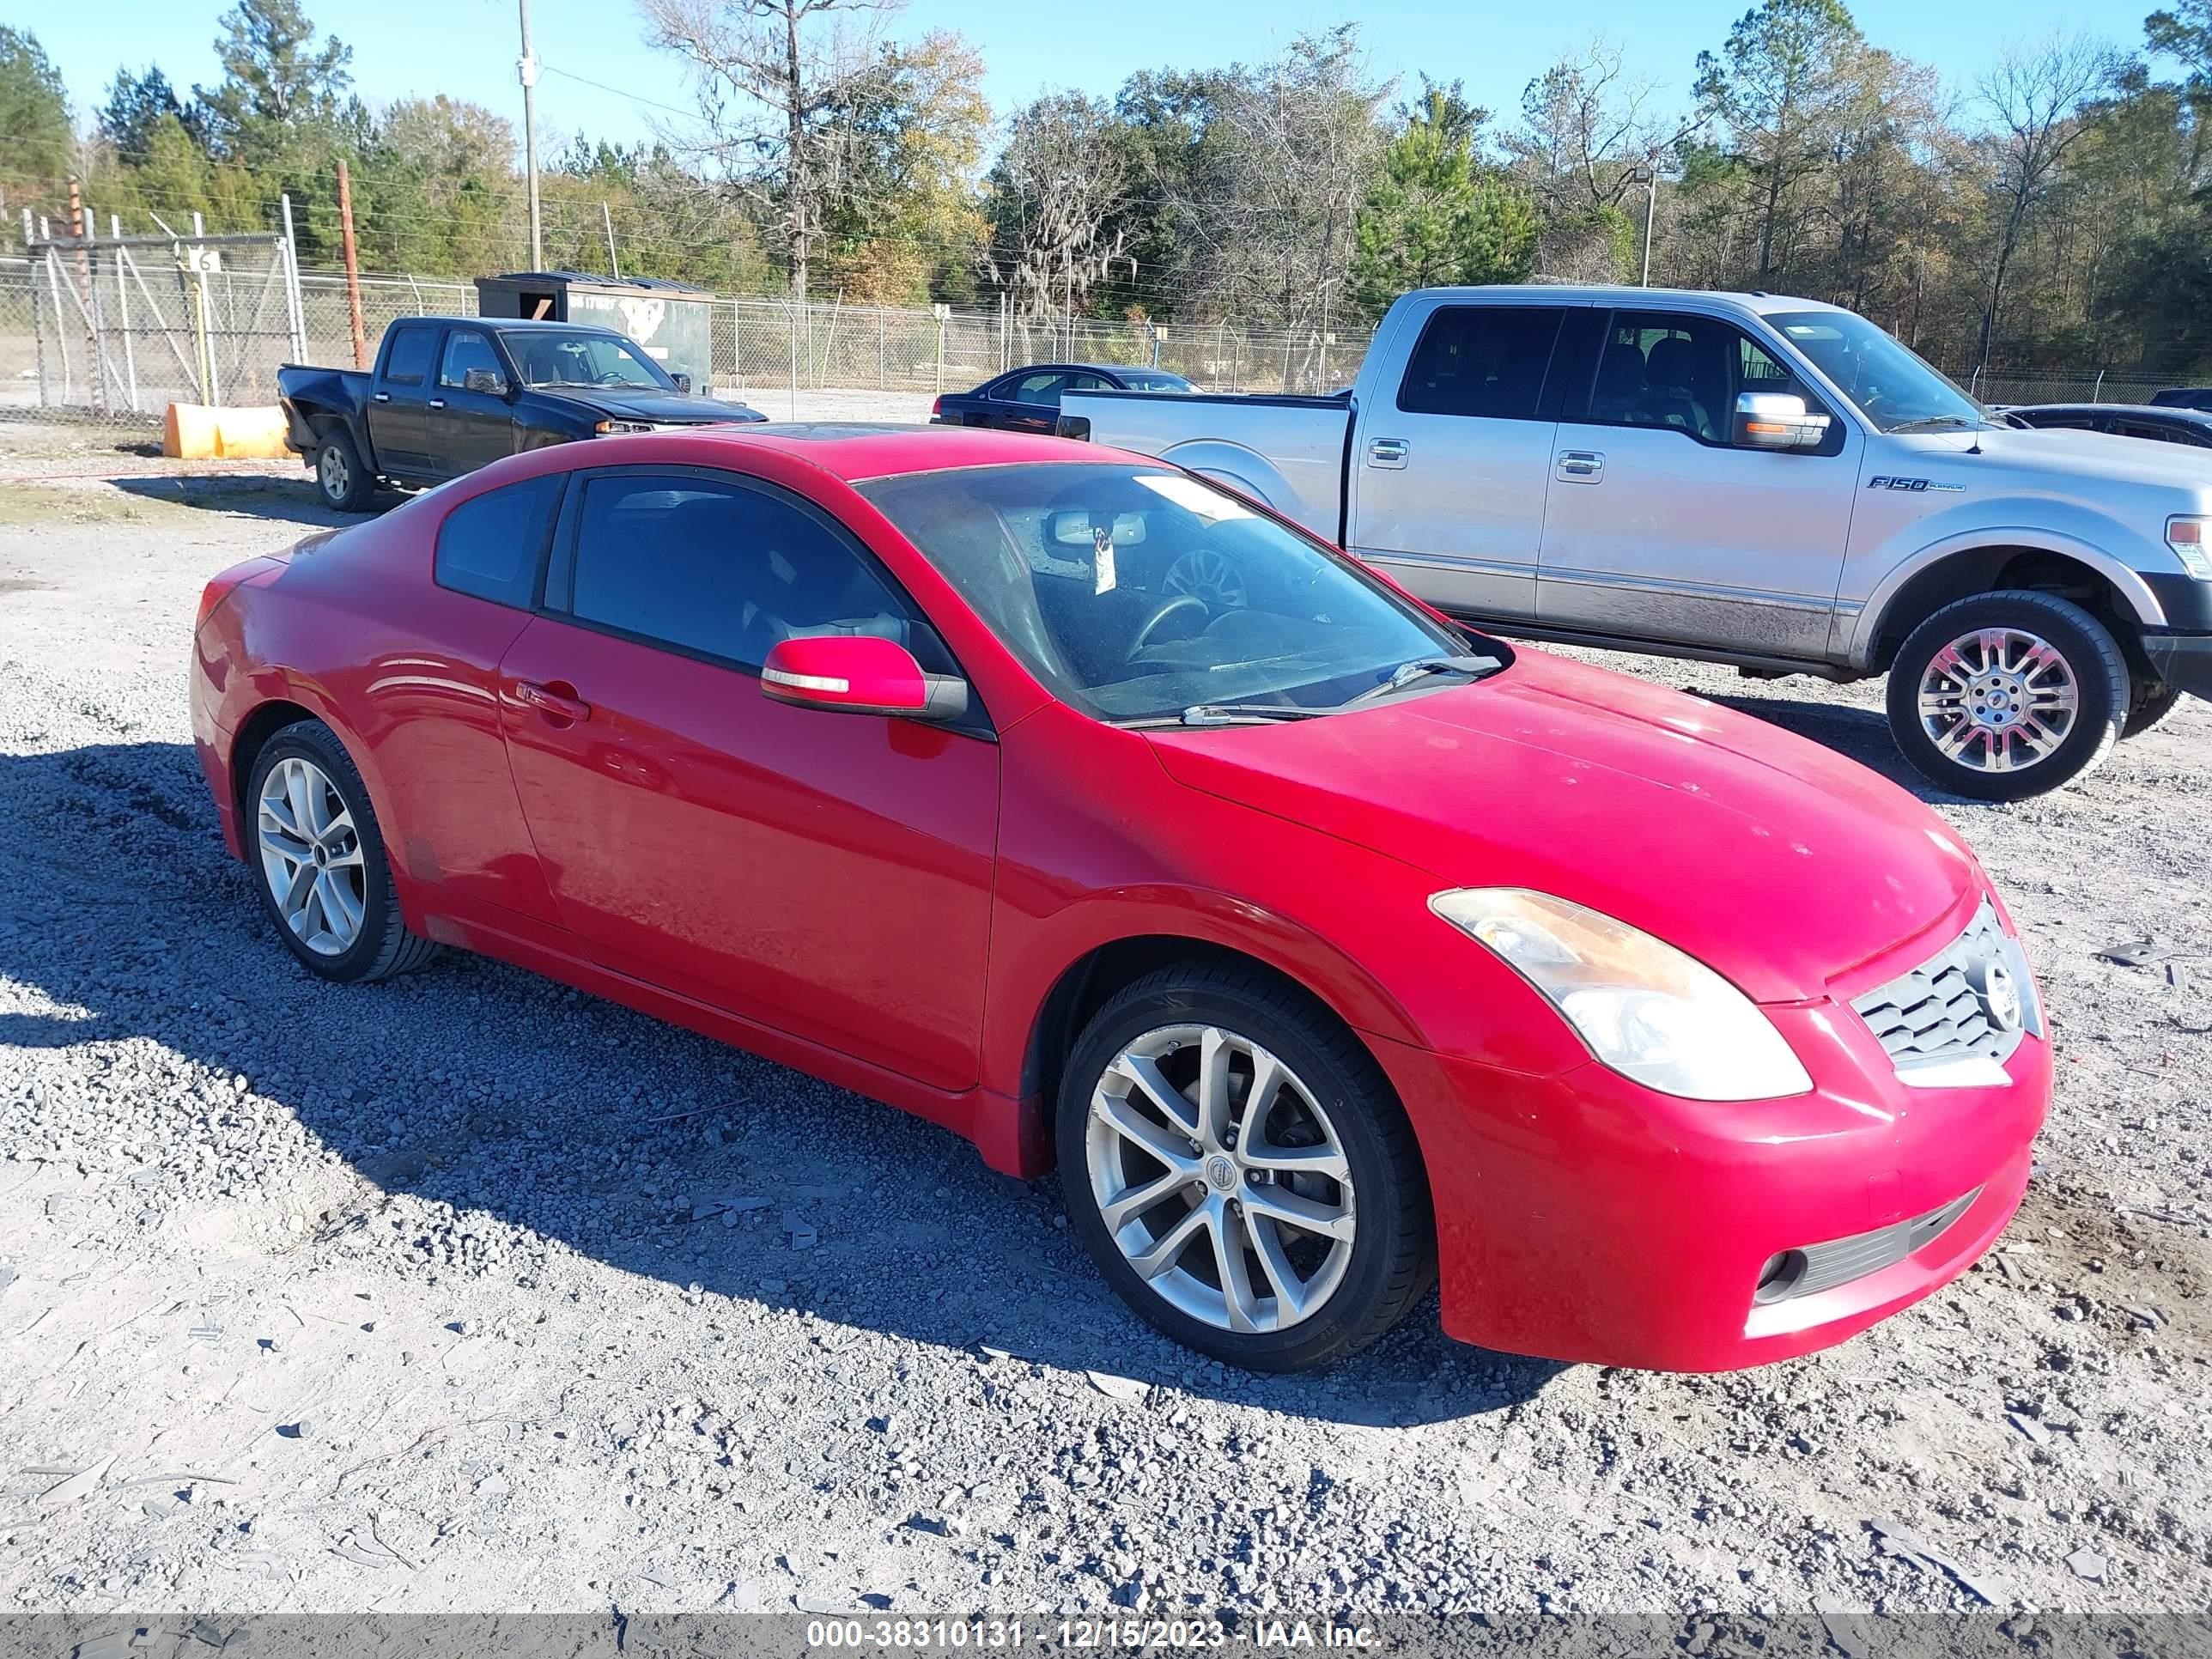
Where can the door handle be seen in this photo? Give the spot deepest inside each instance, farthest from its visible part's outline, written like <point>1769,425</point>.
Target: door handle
<point>556,701</point>
<point>437,402</point>
<point>384,397</point>
<point>1581,465</point>
<point>1388,453</point>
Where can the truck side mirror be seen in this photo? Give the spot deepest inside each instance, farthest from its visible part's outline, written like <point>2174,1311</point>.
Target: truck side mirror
<point>483,379</point>
<point>683,383</point>
<point>1777,420</point>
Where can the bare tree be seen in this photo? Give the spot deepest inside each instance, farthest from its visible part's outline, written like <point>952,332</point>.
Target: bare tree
<point>1270,212</point>
<point>1056,190</point>
<point>2038,95</point>
<point>771,76</point>
<point>1586,142</point>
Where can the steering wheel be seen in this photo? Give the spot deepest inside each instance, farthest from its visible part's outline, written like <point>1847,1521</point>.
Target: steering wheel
<point>1174,604</point>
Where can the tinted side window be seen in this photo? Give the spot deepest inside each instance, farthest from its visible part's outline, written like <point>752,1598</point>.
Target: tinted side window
<point>489,547</point>
<point>1040,389</point>
<point>466,348</point>
<point>1481,360</point>
<point>722,569</point>
<point>2164,434</point>
<point>1684,372</point>
<point>409,359</point>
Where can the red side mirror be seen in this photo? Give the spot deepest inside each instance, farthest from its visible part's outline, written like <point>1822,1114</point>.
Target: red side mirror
<point>859,674</point>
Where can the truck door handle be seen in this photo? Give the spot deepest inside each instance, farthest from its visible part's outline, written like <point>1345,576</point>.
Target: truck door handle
<point>1389,453</point>
<point>556,701</point>
<point>1581,465</point>
<point>437,402</point>
<point>384,397</point>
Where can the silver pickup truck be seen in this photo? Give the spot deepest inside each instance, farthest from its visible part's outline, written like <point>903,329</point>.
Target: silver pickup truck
<point>1749,479</point>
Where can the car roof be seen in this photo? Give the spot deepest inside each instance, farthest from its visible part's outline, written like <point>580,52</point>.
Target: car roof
<point>506,324</point>
<point>1085,368</point>
<point>855,451</point>
<point>2180,412</point>
<point>1621,293</point>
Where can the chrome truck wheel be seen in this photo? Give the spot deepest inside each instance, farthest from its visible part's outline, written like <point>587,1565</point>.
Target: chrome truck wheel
<point>2002,696</point>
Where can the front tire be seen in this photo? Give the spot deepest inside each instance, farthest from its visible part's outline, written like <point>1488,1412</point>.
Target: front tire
<point>1240,1169</point>
<point>2003,696</point>
<point>341,477</point>
<point>324,879</point>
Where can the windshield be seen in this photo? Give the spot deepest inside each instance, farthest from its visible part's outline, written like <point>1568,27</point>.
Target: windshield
<point>549,357</point>
<point>1892,385</point>
<point>1138,593</point>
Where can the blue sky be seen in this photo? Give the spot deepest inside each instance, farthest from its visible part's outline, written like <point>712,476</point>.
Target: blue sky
<point>466,48</point>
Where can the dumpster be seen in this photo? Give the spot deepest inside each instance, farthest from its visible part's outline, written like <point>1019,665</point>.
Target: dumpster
<point>670,319</point>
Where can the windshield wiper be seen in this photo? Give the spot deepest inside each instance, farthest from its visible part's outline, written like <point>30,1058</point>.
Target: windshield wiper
<point>1932,422</point>
<point>1421,668</point>
<point>1226,713</point>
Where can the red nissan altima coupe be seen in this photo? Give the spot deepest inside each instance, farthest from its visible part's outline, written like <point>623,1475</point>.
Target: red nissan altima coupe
<point>1112,821</point>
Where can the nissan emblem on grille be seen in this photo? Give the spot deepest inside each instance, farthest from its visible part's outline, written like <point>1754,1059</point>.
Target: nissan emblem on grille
<point>2000,994</point>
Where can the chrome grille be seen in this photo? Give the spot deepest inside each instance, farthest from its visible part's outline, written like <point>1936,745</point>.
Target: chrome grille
<point>1934,1021</point>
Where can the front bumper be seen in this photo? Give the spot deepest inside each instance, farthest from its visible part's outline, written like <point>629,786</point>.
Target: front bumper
<point>2182,660</point>
<point>1583,1217</point>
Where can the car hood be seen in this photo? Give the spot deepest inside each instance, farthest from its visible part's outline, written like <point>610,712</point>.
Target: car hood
<point>1776,862</point>
<point>666,408</point>
<point>2046,455</point>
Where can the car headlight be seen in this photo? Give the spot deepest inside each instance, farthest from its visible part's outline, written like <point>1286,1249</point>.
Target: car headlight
<point>2188,540</point>
<point>609,429</point>
<point>1644,1009</point>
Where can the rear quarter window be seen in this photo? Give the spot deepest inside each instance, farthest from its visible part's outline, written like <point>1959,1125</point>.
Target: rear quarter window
<point>489,547</point>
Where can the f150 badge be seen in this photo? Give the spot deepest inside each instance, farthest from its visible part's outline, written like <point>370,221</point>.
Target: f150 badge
<point>1916,486</point>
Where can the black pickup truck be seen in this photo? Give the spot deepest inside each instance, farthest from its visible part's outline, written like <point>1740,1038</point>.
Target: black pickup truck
<point>450,394</point>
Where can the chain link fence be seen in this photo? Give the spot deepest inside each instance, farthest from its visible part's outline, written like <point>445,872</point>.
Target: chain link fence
<point>1999,387</point>
<point>119,330</point>
<point>115,330</point>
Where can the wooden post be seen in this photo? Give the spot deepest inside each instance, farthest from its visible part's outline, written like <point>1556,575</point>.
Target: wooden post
<point>353,268</point>
<point>80,228</point>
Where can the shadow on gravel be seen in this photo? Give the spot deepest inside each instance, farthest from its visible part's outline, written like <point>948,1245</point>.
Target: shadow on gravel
<point>505,1095</point>
<point>279,498</point>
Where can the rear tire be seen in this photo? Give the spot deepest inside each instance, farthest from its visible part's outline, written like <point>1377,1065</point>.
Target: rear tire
<point>2003,696</point>
<point>318,856</point>
<point>2154,702</point>
<point>1304,1206</point>
<point>341,477</point>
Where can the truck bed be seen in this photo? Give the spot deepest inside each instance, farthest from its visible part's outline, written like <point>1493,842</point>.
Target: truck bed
<point>1287,451</point>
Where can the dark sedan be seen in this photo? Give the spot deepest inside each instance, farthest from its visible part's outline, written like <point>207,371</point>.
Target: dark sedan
<point>1028,399</point>
<point>2165,425</point>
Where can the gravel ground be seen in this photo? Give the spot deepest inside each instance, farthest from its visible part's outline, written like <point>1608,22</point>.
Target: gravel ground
<point>469,1292</point>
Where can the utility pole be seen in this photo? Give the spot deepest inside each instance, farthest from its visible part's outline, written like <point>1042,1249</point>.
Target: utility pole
<point>607,218</point>
<point>1649,178</point>
<point>525,70</point>
<point>352,267</point>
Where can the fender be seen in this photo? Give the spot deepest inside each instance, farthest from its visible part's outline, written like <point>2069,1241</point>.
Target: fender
<point>1048,947</point>
<point>1866,628</point>
<point>1245,470</point>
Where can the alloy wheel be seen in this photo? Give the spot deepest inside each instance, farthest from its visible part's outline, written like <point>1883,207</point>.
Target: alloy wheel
<point>1998,700</point>
<point>1220,1178</point>
<point>311,856</point>
<point>1208,577</point>
<point>331,471</point>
